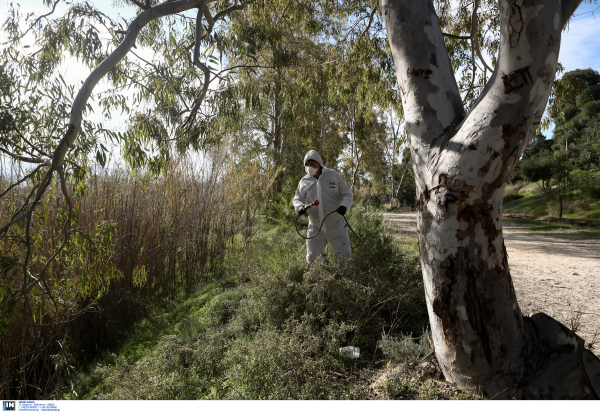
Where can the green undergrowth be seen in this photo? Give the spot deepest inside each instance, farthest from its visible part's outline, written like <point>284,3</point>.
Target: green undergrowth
<point>270,326</point>
<point>527,198</point>
<point>528,203</point>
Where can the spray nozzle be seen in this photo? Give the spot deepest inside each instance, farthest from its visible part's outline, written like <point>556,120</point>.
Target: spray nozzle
<point>315,203</point>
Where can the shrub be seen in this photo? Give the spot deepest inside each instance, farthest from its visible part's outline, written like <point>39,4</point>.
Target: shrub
<point>271,326</point>
<point>588,183</point>
<point>398,388</point>
<point>405,348</point>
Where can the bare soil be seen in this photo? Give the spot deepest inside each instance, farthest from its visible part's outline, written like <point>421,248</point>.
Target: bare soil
<point>557,276</point>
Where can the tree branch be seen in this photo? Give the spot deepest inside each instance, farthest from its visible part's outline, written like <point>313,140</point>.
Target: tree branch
<point>196,60</point>
<point>509,108</point>
<point>63,187</point>
<point>370,22</point>
<point>408,162</point>
<point>66,232</point>
<point>203,11</point>
<point>110,62</point>
<point>38,19</point>
<point>34,147</point>
<point>59,154</point>
<point>454,36</point>
<point>430,95</point>
<point>26,159</point>
<point>208,17</point>
<point>22,180</point>
<point>262,129</point>
<point>238,6</point>
<point>474,35</point>
<point>25,203</point>
<point>474,69</point>
<point>568,8</point>
<point>141,5</point>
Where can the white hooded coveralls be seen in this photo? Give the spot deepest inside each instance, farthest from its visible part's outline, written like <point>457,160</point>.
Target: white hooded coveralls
<point>332,192</point>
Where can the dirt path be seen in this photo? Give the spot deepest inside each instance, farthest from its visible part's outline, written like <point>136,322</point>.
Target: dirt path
<point>552,275</point>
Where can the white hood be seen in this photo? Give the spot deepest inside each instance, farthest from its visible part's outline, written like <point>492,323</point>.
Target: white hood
<point>313,155</point>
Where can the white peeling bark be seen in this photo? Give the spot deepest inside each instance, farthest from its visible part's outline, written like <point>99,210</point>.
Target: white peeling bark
<point>461,168</point>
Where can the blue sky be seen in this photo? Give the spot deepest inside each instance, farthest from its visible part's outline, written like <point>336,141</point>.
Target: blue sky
<point>580,48</point>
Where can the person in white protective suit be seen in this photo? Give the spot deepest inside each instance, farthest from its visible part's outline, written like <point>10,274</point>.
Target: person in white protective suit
<point>328,187</point>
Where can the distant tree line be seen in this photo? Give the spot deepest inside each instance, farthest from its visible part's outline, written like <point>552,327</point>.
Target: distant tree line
<point>567,166</point>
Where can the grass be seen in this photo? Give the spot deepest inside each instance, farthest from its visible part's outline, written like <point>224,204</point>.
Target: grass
<point>527,198</point>
<point>270,327</point>
<point>530,203</point>
<point>561,229</point>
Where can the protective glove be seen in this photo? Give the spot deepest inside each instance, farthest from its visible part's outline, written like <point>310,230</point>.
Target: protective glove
<point>341,210</point>
<point>301,211</point>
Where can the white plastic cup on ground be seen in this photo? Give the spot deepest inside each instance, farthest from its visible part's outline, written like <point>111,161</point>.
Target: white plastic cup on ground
<point>350,352</point>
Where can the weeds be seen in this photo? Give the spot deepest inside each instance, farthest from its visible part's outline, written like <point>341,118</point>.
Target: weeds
<point>398,388</point>
<point>269,326</point>
<point>429,391</point>
<point>590,344</point>
<point>405,349</point>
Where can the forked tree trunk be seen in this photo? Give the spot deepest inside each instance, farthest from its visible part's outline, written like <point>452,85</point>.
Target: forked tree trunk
<point>462,164</point>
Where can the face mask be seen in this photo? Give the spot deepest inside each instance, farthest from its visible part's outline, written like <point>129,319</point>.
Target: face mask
<point>311,170</point>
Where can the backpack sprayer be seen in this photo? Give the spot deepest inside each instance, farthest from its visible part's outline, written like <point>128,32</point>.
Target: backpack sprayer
<point>314,204</point>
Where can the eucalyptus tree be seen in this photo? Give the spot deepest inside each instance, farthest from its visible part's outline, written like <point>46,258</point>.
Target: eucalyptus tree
<point>462,161</point>
<point>362,86</point>
<point>575,102</point>
<point>551,171</point>
<point>364,162</point>
<point>173,87</point>
<point>405,192</point>
<point>392,148</point>
<point>300,68</point>
<point>570,166</point>
<point>271,53</point>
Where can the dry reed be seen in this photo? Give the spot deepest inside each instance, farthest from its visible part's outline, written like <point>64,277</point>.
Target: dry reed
<point>137,242</point>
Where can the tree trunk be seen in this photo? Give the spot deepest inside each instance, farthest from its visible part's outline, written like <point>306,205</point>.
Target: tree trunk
<point>393,156</point>
<point>352,151</point>
<point>358,131</point>
<point>402,179</point>
<point>560,207</point>
<point>392,192</point>
<point>461,167</point>
<point>277,134</point>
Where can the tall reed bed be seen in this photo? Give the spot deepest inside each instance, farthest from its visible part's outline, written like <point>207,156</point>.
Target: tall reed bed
<point>136,242</point>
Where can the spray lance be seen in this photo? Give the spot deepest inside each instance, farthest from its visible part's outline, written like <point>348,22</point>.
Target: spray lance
<point>314,204</point>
